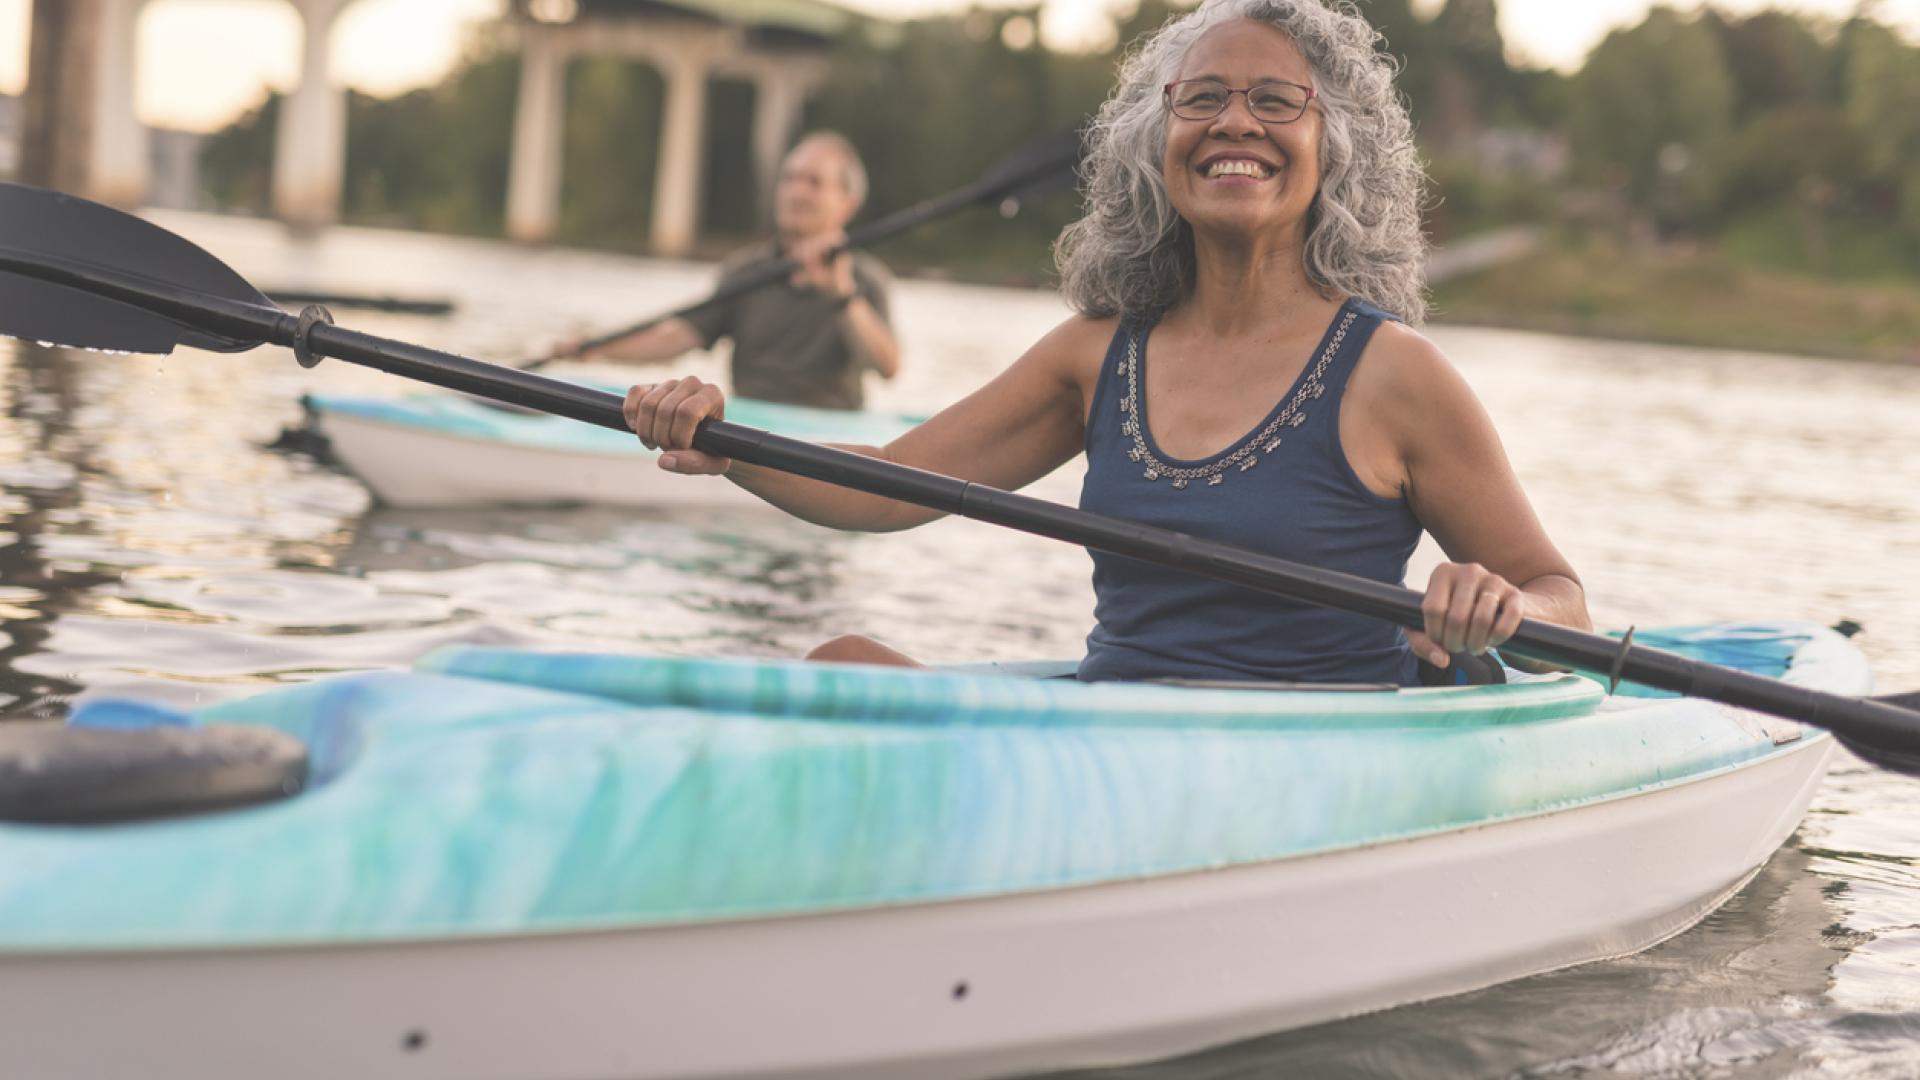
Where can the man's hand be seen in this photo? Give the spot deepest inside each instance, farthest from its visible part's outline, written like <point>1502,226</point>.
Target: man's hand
<point>830,276</point>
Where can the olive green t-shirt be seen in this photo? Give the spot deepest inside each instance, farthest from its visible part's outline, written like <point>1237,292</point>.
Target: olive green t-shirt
<point>792,344</point>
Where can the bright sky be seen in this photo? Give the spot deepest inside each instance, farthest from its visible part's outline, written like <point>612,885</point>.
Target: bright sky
<point>202,62</point>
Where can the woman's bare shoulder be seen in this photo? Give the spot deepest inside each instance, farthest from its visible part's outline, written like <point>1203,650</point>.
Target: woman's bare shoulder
<point>1074,349</point>
<point>1403,368</point>
<point>1405,353</point>
<point>1080,332</point>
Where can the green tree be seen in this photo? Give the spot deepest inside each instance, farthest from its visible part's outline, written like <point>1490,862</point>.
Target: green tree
<point>609,152</point>
<point>1776,61</point>
<point>1882,76</point>
<point>1411,41</point>
<point>1806,160</point>
<point>236,163</point>
<point>1652,114</point>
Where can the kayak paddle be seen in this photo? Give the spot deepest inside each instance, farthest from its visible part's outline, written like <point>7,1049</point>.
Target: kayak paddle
<point>1034,168</point>
<point>56,286</point>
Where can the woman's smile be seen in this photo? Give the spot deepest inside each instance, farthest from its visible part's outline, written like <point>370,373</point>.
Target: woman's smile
<point>1237,169</point>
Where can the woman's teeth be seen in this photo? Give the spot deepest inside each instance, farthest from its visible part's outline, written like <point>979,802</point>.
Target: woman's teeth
<point>1238,167</point>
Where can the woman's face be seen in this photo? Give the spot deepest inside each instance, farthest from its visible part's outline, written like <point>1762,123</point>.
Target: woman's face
<point>1235,173</point>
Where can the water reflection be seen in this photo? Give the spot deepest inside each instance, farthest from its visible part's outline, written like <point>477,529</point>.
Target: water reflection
<point>40,468</point>
<point>590,576</point>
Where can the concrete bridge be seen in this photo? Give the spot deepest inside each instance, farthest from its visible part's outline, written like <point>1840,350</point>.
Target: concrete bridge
<point>777,45</point>
<point>81,133</point>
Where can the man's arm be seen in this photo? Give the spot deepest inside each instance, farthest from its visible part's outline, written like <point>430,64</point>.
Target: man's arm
<point>662,341</point>
<point>867,331</point>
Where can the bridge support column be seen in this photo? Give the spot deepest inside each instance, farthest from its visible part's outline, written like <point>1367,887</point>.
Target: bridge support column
<point>56,137</point>
<point>533,184</point>
<point>310,148</point>
<point>122,168</point>
<point>676,187</point>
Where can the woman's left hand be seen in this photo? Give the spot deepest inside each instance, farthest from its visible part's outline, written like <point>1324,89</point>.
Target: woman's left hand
<point>1469,609</point>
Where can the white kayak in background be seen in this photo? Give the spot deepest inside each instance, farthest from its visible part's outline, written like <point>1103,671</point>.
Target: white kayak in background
<point>431,450</point>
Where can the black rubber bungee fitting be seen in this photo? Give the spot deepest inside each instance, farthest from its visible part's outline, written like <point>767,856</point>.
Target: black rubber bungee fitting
<point>310,316</point>
<point>1619,661</point>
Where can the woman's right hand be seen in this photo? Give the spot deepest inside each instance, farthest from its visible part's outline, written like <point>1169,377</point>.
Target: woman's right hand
<point>665,415</point>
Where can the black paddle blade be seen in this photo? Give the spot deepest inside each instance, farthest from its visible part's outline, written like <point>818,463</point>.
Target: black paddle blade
<point>48,227</point>
<point>1893,759</point>
<point>1902,758</point>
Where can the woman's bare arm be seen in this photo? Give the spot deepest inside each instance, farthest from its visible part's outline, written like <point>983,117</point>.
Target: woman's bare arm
<point>1458,481</point>
<point>1020,426</point>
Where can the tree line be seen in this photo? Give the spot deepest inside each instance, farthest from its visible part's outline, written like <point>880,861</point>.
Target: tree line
<point>1794,135</point>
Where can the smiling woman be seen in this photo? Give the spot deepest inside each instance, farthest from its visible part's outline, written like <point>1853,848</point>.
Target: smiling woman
<point>1253,226</point>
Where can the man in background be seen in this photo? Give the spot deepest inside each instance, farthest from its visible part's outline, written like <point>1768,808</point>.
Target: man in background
<point>811,339</point>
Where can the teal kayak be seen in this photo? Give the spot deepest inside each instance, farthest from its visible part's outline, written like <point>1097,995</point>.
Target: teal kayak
<point>524,864</point>
<point>428,450</point>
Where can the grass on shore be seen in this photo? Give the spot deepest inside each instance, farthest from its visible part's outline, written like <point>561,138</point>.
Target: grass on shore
<point>1596,288</point>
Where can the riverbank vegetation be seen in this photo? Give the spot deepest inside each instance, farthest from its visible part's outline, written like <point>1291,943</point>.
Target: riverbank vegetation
<point>1594,286</point>
<point>1747,180</point>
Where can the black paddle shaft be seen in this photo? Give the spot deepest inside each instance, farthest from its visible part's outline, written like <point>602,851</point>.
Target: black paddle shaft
<point>1881,731</point>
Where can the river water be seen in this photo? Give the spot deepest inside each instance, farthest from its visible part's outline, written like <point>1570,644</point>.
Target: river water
<point>150,546</point>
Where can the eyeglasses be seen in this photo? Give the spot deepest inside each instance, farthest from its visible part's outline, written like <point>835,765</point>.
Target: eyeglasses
<point>1270,103</point>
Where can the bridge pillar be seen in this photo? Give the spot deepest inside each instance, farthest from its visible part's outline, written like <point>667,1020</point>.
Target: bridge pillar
<point>533,182</point>
<point>56,136</point>
<point>121,165</point>
<point>676,186</point>
<point>310,148</point>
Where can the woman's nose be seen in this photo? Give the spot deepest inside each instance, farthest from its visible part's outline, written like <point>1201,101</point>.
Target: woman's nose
<point>1237,117</point>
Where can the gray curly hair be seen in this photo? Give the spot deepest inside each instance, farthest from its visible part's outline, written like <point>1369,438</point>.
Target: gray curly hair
<point>1132,255</point>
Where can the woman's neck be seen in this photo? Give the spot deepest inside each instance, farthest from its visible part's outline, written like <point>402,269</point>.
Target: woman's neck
<point>1242,286</point>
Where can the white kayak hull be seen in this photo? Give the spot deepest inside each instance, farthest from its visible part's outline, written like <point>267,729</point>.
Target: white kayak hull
<point>420,468</point>
<point>1101,974</point>
<point>434,451</point>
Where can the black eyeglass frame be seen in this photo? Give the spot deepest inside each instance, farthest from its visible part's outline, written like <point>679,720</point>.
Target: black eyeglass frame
<point>1166,95</point>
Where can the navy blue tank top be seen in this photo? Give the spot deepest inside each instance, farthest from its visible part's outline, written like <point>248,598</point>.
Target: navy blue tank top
<point>1285,488</point>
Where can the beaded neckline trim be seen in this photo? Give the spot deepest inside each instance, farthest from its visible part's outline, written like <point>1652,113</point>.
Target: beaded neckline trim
<point>1247,454</point>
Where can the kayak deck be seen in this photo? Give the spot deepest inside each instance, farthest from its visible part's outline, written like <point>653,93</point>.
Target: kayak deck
<point>492,792</point>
